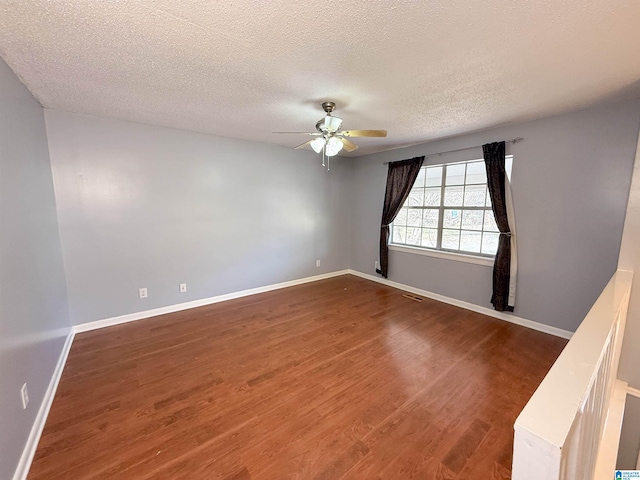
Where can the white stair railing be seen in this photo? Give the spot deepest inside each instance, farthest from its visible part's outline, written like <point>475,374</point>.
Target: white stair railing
<point>558,433</point>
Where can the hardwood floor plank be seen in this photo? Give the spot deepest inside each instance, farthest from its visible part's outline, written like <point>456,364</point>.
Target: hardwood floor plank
<point>443,473</point>
<point>343,462</point>
<point>466,445</point>
<point>340,378</point>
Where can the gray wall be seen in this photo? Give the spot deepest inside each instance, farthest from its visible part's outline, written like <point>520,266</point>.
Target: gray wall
<point>630,359</point>
<point>145,206</point>
<point>629,436</point>
<point>34,317</point>
<point>630,260</point>
<point>570,178</point>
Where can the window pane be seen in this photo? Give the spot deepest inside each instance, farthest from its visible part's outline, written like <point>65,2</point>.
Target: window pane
<point>472,220</point>
<point>455,174</point>
<point>474,195</point>
<point>432,197</point>
<point>487,199</point>
<point>490,243</point>
<point>470,241</point>
<point>489,222</point>
<point>399,234</point>
<point>401,218</point>
<point>476,173</point>
<point>451,218</point>
<point>451,239</point>
<point>453,196</point>
<point>419,183</point>
<point>414,217</point>
<point>430,218</point>
<point>434,176</point>
<point>413,236</point>
<point>429,237</point>
<point>416,197</point>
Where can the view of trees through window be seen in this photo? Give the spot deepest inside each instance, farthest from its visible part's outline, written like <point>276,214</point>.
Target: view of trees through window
<point>449,209</point>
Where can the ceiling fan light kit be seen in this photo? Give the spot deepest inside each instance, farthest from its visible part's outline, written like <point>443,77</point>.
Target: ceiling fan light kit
<point>330,140</point>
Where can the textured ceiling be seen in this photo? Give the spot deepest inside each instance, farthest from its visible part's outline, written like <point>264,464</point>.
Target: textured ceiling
<point>243,69</point>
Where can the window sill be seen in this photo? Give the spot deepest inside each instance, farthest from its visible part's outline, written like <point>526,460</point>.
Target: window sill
<point>458,257</point>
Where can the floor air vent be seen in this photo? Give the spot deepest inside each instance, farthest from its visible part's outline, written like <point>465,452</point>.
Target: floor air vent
<point>412,297</point>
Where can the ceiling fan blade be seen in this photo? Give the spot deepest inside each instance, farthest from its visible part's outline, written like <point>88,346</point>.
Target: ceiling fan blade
<point>365,133</point>
<point>302,145</point>
<point>348,146</point>
<point>303,133</point>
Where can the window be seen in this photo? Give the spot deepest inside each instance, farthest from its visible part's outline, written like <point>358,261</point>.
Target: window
<point>449,209</point>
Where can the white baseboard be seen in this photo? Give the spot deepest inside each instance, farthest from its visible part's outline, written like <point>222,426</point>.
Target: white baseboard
<point>108,322</point>
<point>131,317</point>
<point>43,412</point>
<point>541,327</point>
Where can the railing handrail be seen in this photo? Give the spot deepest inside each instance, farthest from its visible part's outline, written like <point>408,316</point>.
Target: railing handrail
<point>549,416</point>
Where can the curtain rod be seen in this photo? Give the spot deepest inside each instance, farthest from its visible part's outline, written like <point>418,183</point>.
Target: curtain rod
<point>513,140</point>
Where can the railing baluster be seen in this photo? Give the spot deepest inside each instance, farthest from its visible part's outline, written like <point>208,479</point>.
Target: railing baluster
<point>557,435</point>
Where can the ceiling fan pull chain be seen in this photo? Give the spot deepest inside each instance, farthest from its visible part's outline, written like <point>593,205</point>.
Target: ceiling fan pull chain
<point>328,158</point>
<point>323,155</point>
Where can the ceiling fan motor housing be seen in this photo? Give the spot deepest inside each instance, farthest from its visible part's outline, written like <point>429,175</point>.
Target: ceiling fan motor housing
<point>329,124</point>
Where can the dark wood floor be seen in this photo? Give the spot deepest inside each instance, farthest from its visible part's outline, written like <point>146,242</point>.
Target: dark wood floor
<point>341,378</point>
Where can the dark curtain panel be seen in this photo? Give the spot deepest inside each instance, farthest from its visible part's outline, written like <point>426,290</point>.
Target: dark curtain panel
<point>494,159</point>
<point>400,178</point>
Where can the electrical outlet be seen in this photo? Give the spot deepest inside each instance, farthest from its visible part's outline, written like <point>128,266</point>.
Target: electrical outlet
<point>143,293</point>
<point>317,263</point>
<point>183,287</point>
<point>376,265</point>
<point>25,396</point>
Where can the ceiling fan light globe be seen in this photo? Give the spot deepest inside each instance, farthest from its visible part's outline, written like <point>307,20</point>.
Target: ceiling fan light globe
<point>334,145</point>
<point>317,144</point>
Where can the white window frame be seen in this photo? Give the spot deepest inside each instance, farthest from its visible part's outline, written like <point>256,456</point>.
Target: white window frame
<point>439,252</point>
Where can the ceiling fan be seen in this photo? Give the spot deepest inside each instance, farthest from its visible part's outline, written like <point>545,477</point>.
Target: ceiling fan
<point>330,139</point>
